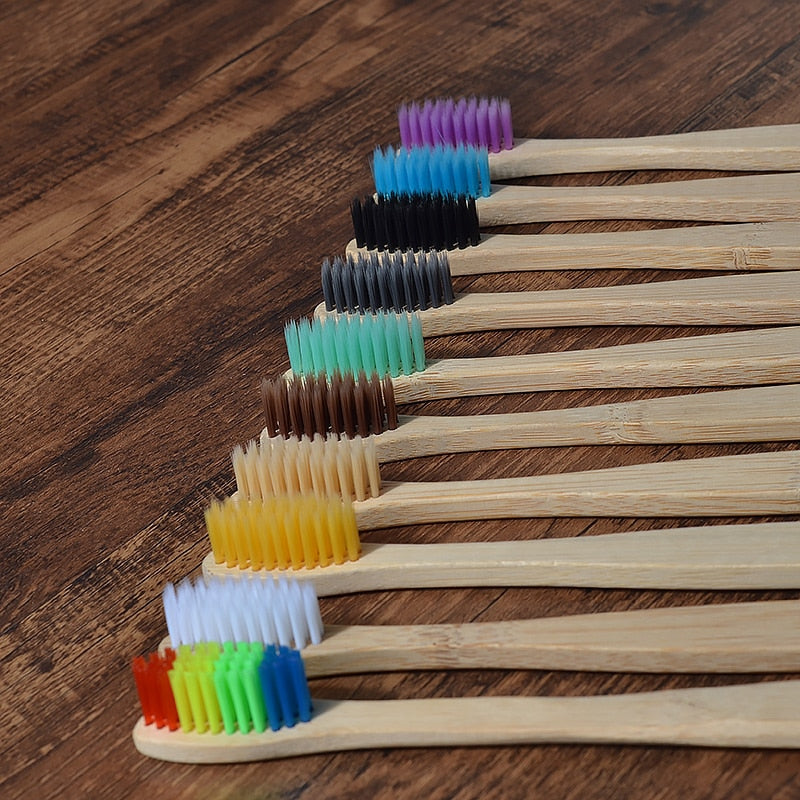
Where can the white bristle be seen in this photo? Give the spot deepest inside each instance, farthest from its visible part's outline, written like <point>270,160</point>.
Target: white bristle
<point>272,612</point>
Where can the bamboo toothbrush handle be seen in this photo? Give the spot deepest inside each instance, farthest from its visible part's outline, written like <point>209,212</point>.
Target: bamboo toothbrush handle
<point>740,637</point>
<point>750,715</point>
<point>747,485</point>
<point>759,414</point>
<point>752,198</point>
<point>744,556</point>
<point>771,298</point>
<point>769,147</point>
<point>726,359</point>
<point>749,246</point>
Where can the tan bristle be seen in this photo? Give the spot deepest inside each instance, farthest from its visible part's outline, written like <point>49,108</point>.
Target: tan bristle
<point>304,406</point>
<point>282,532</point>
<point>324,467</point>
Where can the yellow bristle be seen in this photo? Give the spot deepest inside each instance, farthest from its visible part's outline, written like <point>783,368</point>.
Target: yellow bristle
<point>282,532</point>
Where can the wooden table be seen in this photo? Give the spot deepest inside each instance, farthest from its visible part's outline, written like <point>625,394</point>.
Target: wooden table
<point>172,176</point>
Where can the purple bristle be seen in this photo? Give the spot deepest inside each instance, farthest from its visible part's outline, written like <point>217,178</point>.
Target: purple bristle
<point>477,122</point>
<point>404,122</point>
<point>505,122</point>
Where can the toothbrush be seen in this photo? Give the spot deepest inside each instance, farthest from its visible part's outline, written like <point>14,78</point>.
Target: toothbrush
<point>407,282</point>
<point>293,509</point>
<point>486,123</point>
<point>441,221</point>
<point>751,246</point>
<point>349,468</point>
<point>741,556</point>
<point>392,344</point>
<point>739,637</point>
<point>748,715</point>
<point>360,406</point>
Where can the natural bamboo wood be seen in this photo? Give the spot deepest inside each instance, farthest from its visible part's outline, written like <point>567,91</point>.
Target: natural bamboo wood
<point>749,715</point>
<point>752,198</point>
<point>725,359</point>
<point>742,556</point>
<point>749,246</point>
<point>687,488</point>
<point>740,637</point>
<point>771,298</point>
<point>766,147</point>
<point>762,413</point>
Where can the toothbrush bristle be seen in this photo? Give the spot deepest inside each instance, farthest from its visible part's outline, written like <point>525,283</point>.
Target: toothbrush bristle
<point>478,122</point>
<point>282,533</point>
<point>344,406</point>
<point>283,612</point>
<point>239,687</point>
<point>398,281</point>
<point>443,170</point>
<point>384,343</point>
<point>323,466</point>
<point>415,222</point>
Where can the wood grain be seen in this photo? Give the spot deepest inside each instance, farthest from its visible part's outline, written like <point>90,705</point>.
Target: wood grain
<point>172,176</point>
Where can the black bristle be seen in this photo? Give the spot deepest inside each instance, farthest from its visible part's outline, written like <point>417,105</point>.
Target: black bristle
<point>327,285</point>
<point>371,275</point>
<point>357,215</point>
<point>410,298</point>
<point>445,278</point>
<point>359,279</point>
<point>421,288</point>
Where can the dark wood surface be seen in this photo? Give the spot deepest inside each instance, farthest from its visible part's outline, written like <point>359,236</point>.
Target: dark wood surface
<point>172,175</point>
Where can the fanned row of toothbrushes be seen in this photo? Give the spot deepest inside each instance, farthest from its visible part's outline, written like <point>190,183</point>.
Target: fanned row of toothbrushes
<point>231,665</point>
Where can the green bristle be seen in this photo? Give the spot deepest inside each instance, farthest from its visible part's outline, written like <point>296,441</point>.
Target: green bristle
<point>404,345</point>
<point>417,341</point>
<point>291,335</point>
<point>384,343</point>
<point>380,350</point>
<point>306,351</point>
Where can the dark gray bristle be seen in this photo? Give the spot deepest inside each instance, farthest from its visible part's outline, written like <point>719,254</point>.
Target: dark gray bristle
<point>387,282</point>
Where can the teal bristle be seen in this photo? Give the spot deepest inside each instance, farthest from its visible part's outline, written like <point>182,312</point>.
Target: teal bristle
<point>443,170</point>
<point>382,343</point>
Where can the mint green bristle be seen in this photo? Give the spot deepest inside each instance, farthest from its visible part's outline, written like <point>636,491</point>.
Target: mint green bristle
<point>367,352</point>
<point>291,335</point>
<point>417,342</point>
<point>371,343</point>
<point>306,351</point>
<point>317,352</point>
<point>389,335</point>
<point>351,330</point>
<point>404,344</point>
<point>330,357</point>
<point>379,349</point>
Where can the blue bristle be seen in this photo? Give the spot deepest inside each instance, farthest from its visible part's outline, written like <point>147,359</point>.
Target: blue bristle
<point>443,169</point>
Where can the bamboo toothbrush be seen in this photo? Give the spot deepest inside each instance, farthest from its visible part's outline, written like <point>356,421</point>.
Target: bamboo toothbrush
<point>486,123</point>
<point>738,637</point>
<point>750,246</point>
<point>272,690</point>
<point>441,221</point>
<point>349,468</point>
<point>410,281</point>
<point>742,556</point>
<point>392,344</point>
<point>351,406</point>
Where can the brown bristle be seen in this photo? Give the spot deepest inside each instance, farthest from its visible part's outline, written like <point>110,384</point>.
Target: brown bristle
<point>313,405</point>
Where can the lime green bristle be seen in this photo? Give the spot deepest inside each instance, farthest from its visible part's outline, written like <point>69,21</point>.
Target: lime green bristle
<point>191,679</point>
<point>282,532</point>
<point>388,344</point>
